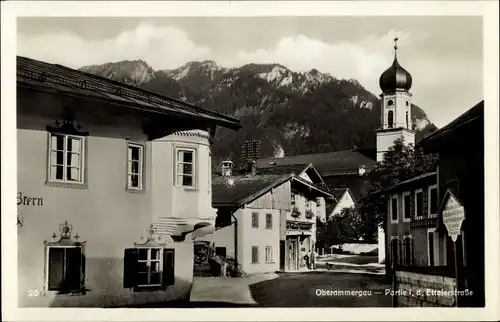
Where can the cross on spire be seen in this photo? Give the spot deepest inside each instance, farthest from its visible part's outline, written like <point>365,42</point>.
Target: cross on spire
<point>396,43</point>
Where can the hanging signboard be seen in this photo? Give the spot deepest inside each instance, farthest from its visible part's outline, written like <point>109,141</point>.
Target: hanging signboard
<point>453,216</point>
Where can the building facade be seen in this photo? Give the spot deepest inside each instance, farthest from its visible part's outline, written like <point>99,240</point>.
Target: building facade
<point>343,199</point>
<point>265,219</point>
<point>417,236</point>
<point>112,184</point>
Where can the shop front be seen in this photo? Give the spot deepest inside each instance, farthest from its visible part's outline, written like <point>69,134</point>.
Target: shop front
<point>299,241</point>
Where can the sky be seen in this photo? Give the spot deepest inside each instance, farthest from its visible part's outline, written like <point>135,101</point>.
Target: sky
<point>444,57</point>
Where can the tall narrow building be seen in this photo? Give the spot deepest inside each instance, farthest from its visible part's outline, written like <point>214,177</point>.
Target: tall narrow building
<point>396,120</point>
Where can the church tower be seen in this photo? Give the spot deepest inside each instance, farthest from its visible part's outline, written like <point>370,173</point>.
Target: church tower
<point>396,121</point>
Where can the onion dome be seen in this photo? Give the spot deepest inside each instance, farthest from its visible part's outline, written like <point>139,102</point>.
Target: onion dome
<point>395,78</point>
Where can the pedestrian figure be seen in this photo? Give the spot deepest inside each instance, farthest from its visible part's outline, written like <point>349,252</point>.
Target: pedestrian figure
<point>313,259</point>
<point>306,257</point>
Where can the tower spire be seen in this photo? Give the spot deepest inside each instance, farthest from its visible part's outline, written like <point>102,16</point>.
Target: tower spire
<point>396,47</point>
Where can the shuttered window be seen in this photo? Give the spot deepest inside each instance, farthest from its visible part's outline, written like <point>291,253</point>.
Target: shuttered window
<point>148,267</point>
<point>269,254</point>
<point>394,208</point>
<point>255,220</point>
<point>419,203</point>
<point>407,206</point>
<point>407,250</point>
<point>65,269</point>
<point>269,221</point>
<point>255,254</point>
<point>433,201</point>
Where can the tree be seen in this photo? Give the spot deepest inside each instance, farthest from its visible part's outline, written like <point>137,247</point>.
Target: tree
<point>341,228</point>
<point>401,162</point>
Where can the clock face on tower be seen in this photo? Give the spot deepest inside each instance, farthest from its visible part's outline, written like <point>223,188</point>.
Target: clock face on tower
<point>390,103</point>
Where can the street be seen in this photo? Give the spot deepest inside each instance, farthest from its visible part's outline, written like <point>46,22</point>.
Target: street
<point>301,289</point>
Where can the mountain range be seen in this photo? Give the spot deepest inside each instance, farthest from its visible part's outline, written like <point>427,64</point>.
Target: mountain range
<point>289,112</point>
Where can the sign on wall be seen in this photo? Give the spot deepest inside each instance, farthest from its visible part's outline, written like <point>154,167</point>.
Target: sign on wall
<point>453,216</point>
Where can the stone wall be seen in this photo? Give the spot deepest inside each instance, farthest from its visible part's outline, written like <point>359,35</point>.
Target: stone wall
<point>424,290</point>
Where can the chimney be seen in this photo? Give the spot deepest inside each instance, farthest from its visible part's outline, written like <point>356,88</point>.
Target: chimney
<point>227,168</point>
<point>252,167</point>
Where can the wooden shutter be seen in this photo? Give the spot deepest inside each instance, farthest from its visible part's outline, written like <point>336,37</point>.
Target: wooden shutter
<point>73,268</point>
<point>425,203</point>
<point>412,204</point>
<point>56,268</point>
<point>130,267</point>
<point>168,267</point>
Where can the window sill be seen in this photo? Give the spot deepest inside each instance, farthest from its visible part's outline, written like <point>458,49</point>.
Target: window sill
<point>406,219</point>
<point>270,262</point>
<point>255,263</point>
<point>70,293</point>
<point>394,222</point>
<point>135,190</point>
<point>66,185</point>
<point>150,288</point>
<point>188,188</point>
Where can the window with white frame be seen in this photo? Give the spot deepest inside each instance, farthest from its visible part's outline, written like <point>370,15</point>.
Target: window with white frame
<point>186,167</point>
<point>318,202</point>
<point>255,254</point>
<point>269,221</point>
<point>406,207</point>
<point>394,209</point>
<point>255,220</point>
<point>149,270</point>
<point>293,199</point>
<point>433,201</point>
<point>419,203</point>
<point>66,163</point>
<point>432,247</point>
<point>269,254</point>
<point>135,166</point>
<point>148,267</point>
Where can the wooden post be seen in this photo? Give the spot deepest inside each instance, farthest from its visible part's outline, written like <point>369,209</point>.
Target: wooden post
<point>393,272</point>
<point>457,248</point>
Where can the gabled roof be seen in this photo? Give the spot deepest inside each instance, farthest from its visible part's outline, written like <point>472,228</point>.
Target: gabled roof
<point>248,187</point>
<point>297,169</point>
<point>337,195</point>
<point>244,188</point>
<point>474,113</point>
<point>345,162</point>
<point>405,183</point>
<point>63,80</point>
<point>339,192</point>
